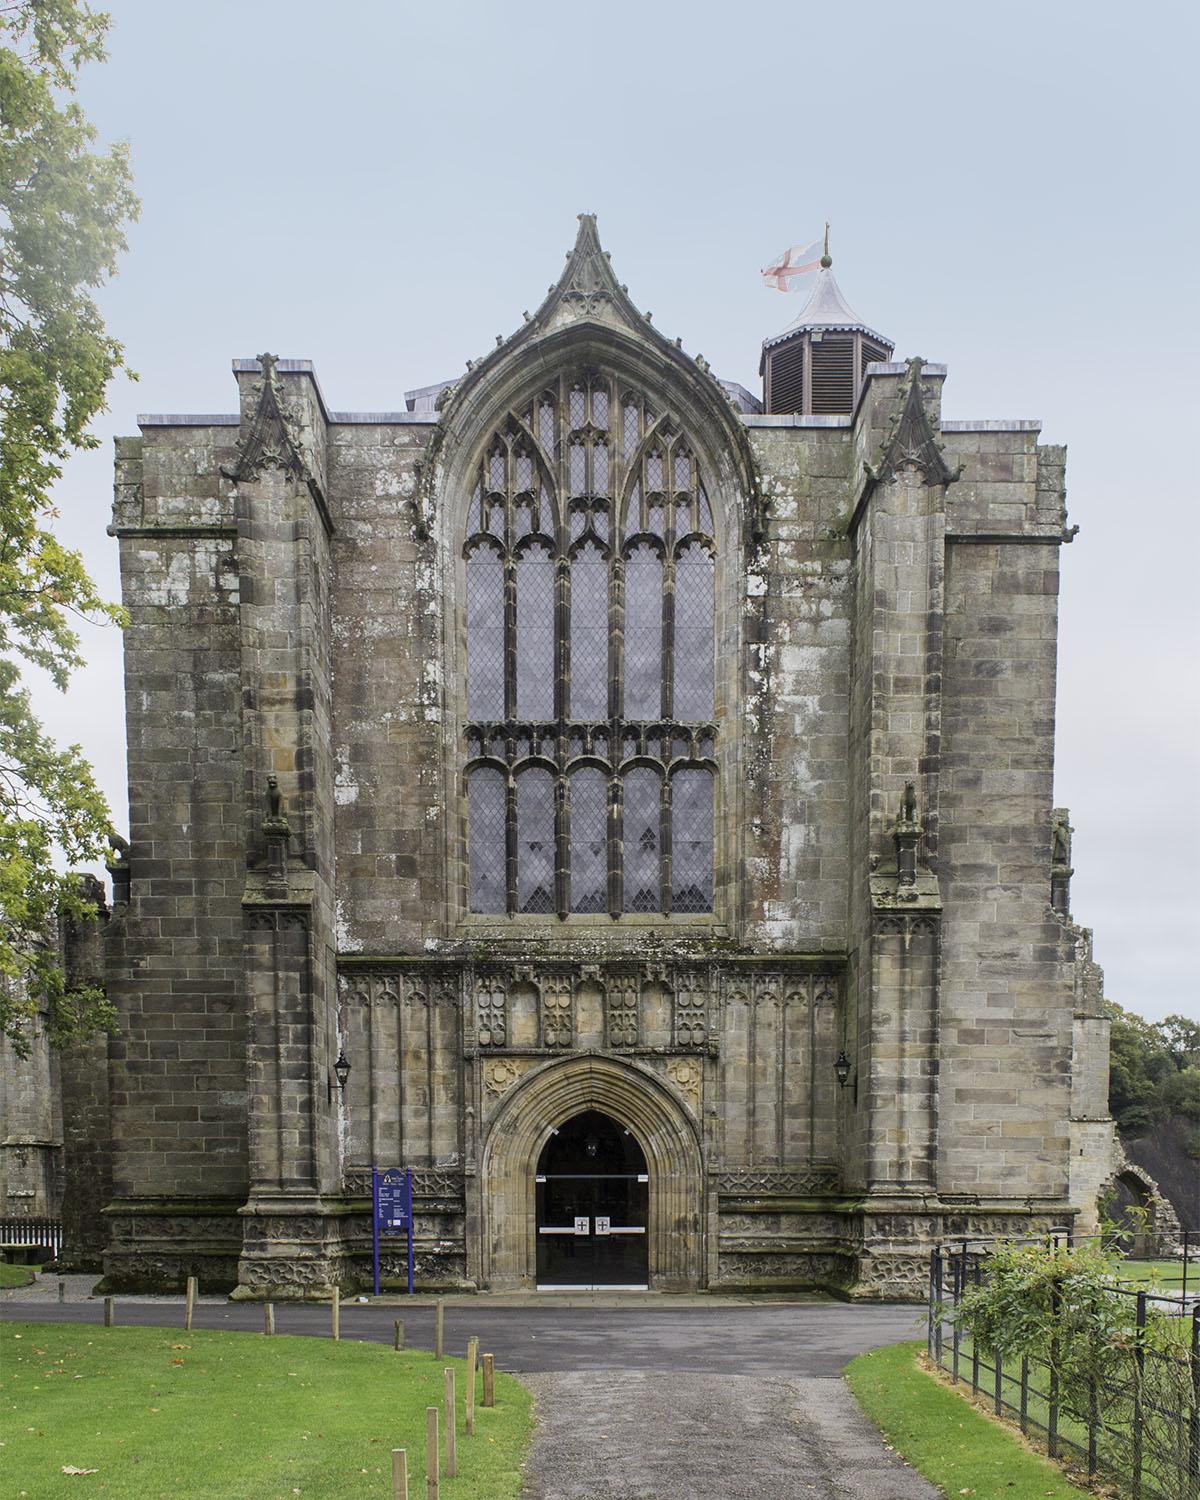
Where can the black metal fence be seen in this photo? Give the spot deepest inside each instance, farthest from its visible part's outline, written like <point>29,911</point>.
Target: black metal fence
<point>25,1234</point>
<point>1138,1427</point>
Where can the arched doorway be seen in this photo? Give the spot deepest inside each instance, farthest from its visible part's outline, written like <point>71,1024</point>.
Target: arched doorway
<point>634,1098</point>
<point>592,1196</point>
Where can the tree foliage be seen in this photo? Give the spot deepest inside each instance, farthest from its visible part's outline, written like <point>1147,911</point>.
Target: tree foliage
<point>1052,1302</point>
<point>1154,1070</point>
<point>63,209</point>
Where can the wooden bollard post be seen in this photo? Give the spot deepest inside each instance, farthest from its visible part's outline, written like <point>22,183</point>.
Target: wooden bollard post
<point>451,1427</point>
<point>108,1312</point>
<point>439,1328</point>
<point>190,1306</point>
<point>62,1291</point>
<point>399,1474</point>
<point>268,1317</point>
<point>472,1357</point>
<point>400,1341</point>
<point>489,1380</point>
<point>337,1313</point>
<point>432,1456</point>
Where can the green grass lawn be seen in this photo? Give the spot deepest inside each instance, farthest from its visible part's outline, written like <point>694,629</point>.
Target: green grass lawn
<point>1168,1272</point>
<point>944,1437</point>
<point>236,1416</point>
<point>14,1275</point>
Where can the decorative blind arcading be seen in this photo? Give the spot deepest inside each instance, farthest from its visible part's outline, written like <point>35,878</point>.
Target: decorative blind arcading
<point>590,616</point>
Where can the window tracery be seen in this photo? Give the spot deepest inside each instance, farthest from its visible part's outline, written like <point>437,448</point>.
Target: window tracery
<point>590,613</point>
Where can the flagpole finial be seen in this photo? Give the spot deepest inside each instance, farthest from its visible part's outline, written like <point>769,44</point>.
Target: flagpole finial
<point>826,259</point>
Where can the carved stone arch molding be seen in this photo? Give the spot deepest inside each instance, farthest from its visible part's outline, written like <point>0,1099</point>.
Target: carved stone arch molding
<point>637,1099</point>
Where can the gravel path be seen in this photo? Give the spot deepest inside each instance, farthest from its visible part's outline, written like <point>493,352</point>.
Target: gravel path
<point>646,1436</point>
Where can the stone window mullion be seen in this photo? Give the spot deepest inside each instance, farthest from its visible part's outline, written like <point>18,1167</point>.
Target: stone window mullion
<point>664,843</point>
<point>510,839</point>
<point>510,637</point>
<point>616,873</point>
<point>562,631</point>
<point>668,637</point>
<point>616,649</point>
<point>562,847</point>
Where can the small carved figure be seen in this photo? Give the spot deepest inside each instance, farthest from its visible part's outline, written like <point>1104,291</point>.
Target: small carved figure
<point>1060,853</point>
<point>908,807</point>
<point>274,799</point>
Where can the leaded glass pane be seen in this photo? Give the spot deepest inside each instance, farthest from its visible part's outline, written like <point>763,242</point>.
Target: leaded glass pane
<point>683,472</point>
<point>485,840</point>
<point>654,472</point>
<point>546,427</point>
<point>535,634</point>
<point>474,515</point>
<point>643,634</point>
<point>600,469</point>
<point>589,635</point>
<point>578,407</point>
<point>535,841</point>
<point>524,471</point>
<point>600,409</point>
<point>706,523</point>
<point>641,840</point>
<point>633,516</point>
<point>589,842</point>
<point>692,840</point>
<point>631,429</point>
<point>693,635</point>
<point>496,469</point>
<point>577,475</point>
<point>485,635</point>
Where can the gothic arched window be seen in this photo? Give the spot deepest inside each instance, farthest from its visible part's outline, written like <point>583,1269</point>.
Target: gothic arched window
<point>590,617</point>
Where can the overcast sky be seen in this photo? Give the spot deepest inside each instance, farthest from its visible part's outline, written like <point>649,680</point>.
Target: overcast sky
<point>386,187</point>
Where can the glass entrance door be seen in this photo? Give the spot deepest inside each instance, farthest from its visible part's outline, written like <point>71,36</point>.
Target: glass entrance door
<point>592,1192</point>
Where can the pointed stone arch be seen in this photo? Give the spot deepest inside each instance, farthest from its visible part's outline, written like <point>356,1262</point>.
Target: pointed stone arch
<point>644,1104</point>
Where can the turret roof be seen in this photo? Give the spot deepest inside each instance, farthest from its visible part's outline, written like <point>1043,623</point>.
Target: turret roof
<point>826,308</point>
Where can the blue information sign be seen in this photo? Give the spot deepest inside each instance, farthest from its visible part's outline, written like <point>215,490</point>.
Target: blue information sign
<point>393,1211</point>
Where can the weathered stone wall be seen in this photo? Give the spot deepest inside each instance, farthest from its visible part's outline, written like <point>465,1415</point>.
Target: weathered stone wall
<point>391,816</point>
<point>1008,974</point>
<point>180,1107</point>
<point>176,971</point>
<point>83,1089</point>
<point>30,1129</point>
<point>885,627</point>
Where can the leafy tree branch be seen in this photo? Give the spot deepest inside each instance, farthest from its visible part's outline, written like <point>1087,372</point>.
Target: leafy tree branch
<point>64,206</point>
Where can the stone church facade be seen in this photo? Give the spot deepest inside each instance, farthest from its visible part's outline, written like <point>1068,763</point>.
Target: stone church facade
<point>646,794</point>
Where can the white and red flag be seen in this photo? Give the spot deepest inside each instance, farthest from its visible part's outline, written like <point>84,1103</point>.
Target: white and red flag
<point>780,273</point>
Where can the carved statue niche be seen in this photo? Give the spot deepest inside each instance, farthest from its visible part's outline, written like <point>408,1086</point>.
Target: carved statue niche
<point>1060,861</point>
<point>907,837</point>
<point>277,833</point>
<point>120,866</point>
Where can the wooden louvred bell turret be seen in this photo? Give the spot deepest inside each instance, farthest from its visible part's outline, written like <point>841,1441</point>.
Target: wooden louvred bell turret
<point>817,364</point>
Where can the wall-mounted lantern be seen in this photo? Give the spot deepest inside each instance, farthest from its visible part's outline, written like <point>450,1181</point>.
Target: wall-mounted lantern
<point>842,1069</point>
<point>341,1069</point>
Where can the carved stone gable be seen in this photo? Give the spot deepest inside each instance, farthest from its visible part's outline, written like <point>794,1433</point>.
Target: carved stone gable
<point>267,440</point>
<point>910,442</point>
